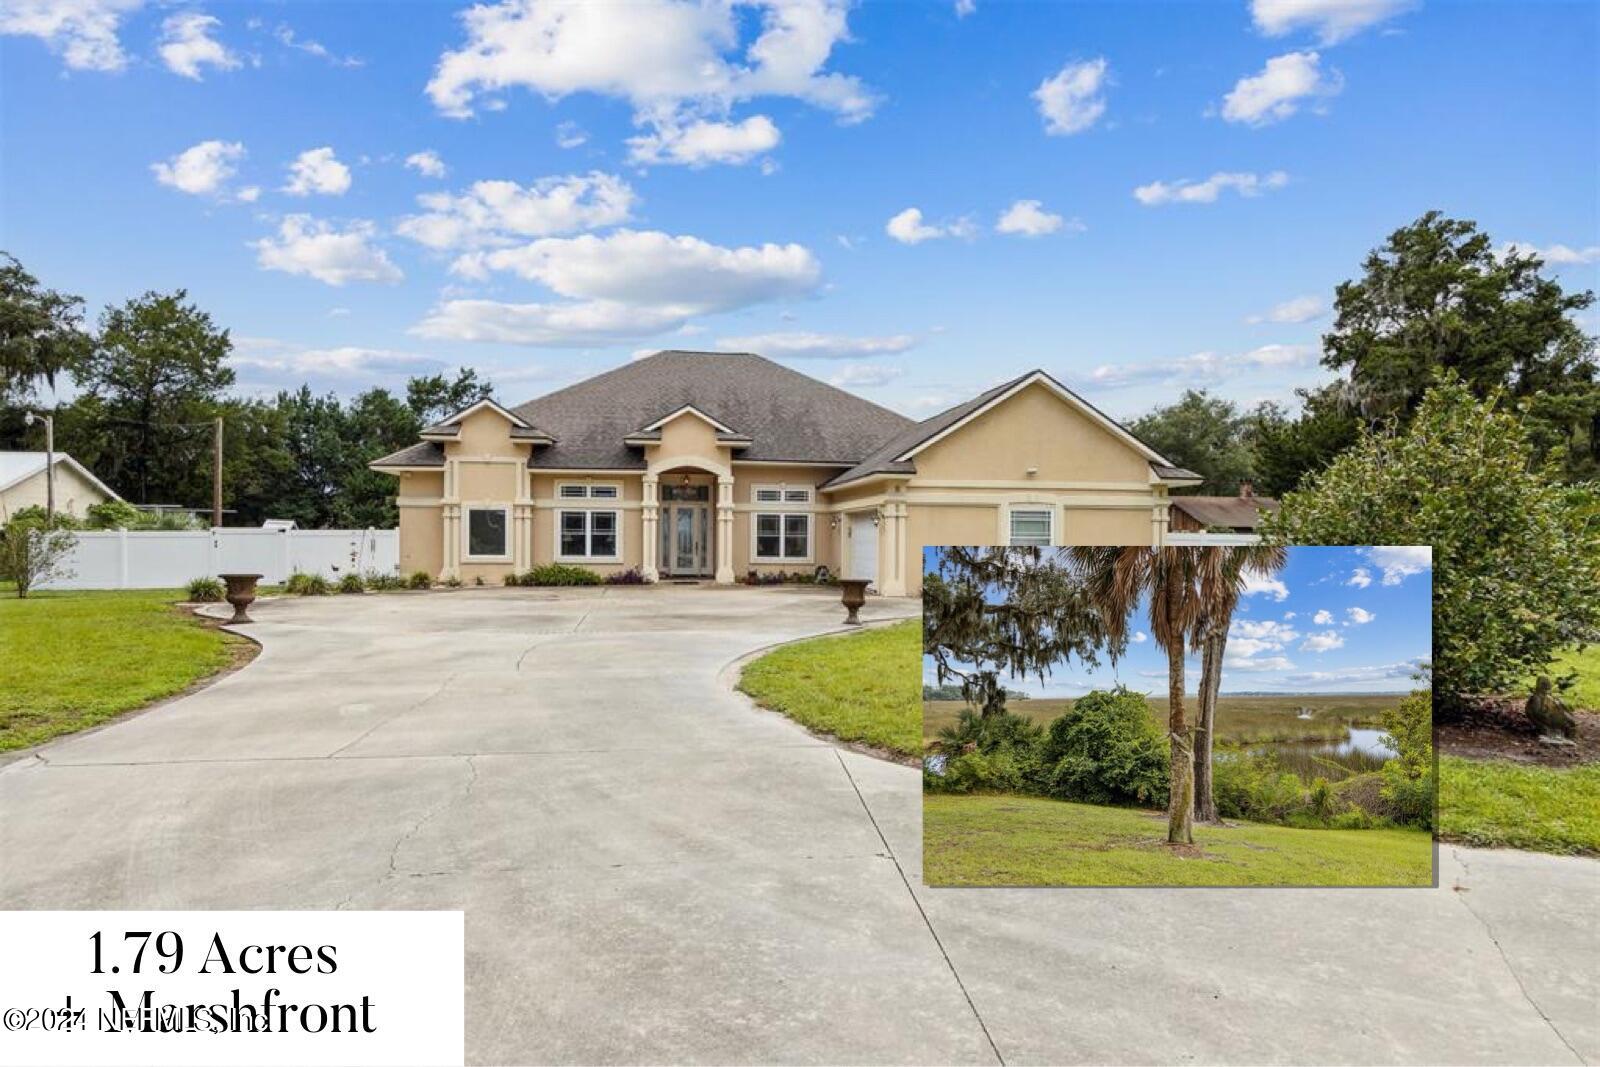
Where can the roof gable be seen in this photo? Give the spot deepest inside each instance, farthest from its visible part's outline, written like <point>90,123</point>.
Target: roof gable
<point>18,467</point>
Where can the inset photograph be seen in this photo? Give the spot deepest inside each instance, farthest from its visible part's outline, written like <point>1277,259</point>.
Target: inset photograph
<point>1198,715</point>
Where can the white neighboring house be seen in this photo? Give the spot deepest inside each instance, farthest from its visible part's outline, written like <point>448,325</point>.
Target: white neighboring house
<point>23,484</point>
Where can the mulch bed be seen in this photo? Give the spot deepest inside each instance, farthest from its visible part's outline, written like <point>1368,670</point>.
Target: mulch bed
<point>1496,728</point>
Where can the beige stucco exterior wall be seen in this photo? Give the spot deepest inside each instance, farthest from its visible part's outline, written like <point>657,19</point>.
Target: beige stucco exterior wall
<point>421,539</point>
<point>546,505</point>
<point>688,435</point>
<point>75,494</point>
<point>1034,428</point>
<point>1086,526</point>
<point>824,538</point>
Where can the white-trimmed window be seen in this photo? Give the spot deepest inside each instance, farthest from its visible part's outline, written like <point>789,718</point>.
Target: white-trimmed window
<point>590,534</point>
<point>782,537</point>
<point>782,494</point>
<point>588,491</point>
<point>488,533</point>
<point>1032,526</point>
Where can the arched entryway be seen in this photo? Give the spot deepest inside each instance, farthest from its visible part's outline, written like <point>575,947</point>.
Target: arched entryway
<point>688,521</point>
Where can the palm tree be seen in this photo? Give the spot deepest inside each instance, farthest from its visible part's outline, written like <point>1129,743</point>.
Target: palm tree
<point>1224,573</point>
<point>1116,578</point>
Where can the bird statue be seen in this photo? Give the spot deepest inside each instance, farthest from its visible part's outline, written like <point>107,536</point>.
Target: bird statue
<point>1549,712</point>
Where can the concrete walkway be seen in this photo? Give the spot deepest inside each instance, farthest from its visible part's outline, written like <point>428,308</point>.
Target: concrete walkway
<point>653,870</point>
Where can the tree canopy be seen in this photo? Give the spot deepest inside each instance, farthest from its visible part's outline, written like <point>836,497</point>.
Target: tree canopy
<point>1206,434</point>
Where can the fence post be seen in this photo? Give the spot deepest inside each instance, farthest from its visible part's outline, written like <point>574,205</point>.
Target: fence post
<point>122,557</point>
<point>288,555</point>
<point>211,554</point>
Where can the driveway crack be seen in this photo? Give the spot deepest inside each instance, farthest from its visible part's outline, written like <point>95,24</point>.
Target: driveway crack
<point>926,921</point>
<point>1461,892</point>
<point>408,709</point>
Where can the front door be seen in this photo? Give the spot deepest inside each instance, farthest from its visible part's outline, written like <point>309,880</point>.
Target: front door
<point>685,549</point>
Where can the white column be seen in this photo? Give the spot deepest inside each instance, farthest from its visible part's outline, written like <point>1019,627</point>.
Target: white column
<point>893,570</point>
<point>651,511</point>
<point>724,530</point>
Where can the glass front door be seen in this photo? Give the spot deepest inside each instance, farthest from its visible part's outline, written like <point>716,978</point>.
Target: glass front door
<point>685,548</point>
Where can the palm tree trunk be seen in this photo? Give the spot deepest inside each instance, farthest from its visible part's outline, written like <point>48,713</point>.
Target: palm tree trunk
<point>1180,804</point>
<point>1205,801</point>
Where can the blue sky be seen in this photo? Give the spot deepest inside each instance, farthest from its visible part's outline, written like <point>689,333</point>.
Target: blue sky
<point>1334,620</point>
<point>1135,197</point>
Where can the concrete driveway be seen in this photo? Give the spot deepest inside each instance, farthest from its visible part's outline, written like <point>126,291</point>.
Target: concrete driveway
<point>654,870</point>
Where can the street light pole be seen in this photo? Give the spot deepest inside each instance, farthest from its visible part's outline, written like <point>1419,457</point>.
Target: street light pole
<point>28,419</point>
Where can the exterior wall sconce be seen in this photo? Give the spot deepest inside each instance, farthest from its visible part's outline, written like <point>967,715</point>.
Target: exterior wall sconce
<point>1033,472</point>
<point>876,519</point>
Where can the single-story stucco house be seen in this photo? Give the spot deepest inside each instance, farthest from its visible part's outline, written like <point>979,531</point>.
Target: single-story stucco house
<point>23,484</point>
<point>716,465</point>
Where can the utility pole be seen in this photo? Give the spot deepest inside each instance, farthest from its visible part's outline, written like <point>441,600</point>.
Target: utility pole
<point>29,419</point>
<point>216,473</point>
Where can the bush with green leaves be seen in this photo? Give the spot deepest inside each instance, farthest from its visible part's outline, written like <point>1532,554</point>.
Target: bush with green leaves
<point>204,591</point>
<point>1249,786</point>
<point>980,772</point>
<point>352,583</point>
<point>420,580</point>
<point>1516,554</point>
<point>1409,787</point>
<point>1106,750</point>
<point>114,515</point>
<point>33,552</point>
<point>380,581</point>
<point>560,574</point>
<point>307,585</point>
<point>35,516</point>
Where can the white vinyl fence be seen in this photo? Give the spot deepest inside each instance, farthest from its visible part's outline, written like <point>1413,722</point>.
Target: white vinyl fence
<point>162,559</point>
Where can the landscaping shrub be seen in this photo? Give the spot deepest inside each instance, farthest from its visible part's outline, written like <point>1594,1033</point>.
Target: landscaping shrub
<point>1409,788</point>
<point>114,515</point>
<point>205,590</point>
<point>420,580</point>
<point>452,582</point>
<point>1508,594</point>
<point>560,574</point>
<point>631,576</point>
<point>379,582</point>
<point>1106,750</point>
<point>352,583</point>
<point>979,772</point>
<point>1249,786</point>
<point>312,585</point>
<point>296,584</point>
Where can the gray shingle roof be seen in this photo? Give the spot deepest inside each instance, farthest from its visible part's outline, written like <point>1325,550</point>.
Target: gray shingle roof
<point>786,415</point>
<point>1237,512</point>
<point>421,454</point>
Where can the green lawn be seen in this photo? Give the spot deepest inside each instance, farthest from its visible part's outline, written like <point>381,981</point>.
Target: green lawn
<point>1499,804</point>
<point>1030,841</point>
<point>71,660</point>
<point>863,687</point>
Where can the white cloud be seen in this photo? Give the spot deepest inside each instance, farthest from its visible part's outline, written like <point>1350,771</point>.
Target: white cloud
<point>317,171</point>
<point>1326,641</point>
<point>202,169</point>
<point>1288,615</point>
<point>1247,637</point>
<point>570,135</point>
<point>248,194</point>
<point>187,45</point>
<point>320,250</point>
<point>627,284</point>
<point>287,37</point>
<point>1140,637</point>
<point>909,228</point>
<point>1323,618</point>
<point>678,64</point>
<point>1271,663</point>
<point>1358,616</point>
<point>427,163</point>
<point>82,32</point>
<point>864,375</point>
<point>497,213</point>
<point>1204,368</point>
<point>1399,562</point>
<point>1278,91</point>
<point>1255,585</point>
<point>701,142</point>
<point>1556,255</point>
<point>1300,309</point>
<point>965,8</point>
<point>280,358</point>
<point>1072,100</point>
<point>801,345</point>
<point>1185,191</point>
<point>1028,218</point>
<point>1360,578</point>
<point>1350,675</point>
<point>1332,20</point>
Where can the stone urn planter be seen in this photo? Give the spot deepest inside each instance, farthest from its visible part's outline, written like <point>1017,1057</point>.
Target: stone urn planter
<point>854,595</point>
<point>241,594</point>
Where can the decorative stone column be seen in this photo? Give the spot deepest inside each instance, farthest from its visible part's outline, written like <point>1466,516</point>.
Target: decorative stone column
<point>452,541</point>
<point>724,530</point>
<point>651,512</point>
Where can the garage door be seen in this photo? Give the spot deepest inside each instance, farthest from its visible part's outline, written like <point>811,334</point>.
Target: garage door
<point>864,547</point>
